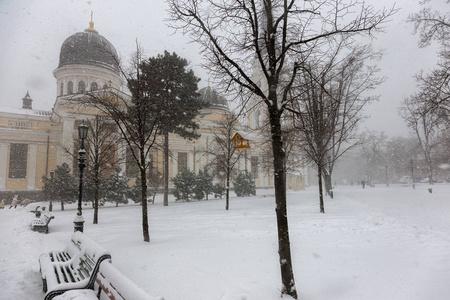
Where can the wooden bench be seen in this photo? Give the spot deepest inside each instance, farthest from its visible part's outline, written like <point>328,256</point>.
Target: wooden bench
<point>110,284</point>
<point>40,224</point>
<point>74,268</point>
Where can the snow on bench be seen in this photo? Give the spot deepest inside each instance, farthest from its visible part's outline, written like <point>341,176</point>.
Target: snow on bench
<point>40,224</point>
<point>77,295</point>
<point>111,284</point>
<point>73,268</point>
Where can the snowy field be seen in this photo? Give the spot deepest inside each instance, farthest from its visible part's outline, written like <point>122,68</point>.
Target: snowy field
<point>378,243</point>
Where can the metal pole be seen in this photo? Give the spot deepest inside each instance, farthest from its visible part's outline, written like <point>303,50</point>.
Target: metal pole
<point>79,221</point>
<point>412,174</point>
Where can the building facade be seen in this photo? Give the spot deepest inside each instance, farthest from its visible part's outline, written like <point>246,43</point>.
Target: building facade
<point>34,142</point>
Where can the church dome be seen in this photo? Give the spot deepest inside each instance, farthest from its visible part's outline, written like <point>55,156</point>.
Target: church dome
<point>210,96</point>
<point>88,48</point>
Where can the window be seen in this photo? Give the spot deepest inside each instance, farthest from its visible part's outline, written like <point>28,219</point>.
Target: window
<point>81,87</point>
<point>61,89</point>
<point>94,86</point>
<point>18,160</point>
<point>254,166</point>
<point>182,161</point>
<point>70,88</point>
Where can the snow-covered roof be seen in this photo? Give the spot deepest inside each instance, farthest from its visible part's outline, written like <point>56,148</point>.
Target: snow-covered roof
<point>251,136</point>
<point>27,112</point>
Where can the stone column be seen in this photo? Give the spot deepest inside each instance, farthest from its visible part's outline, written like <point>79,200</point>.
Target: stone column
<point>31,166</point>
<point>66,143</point>
<point>3,165</point>
<point>174,162</point>
<point>190,160</point>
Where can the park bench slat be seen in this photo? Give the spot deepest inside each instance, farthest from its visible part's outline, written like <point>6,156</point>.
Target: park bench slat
<point>86,265</point>
<point>73,268</point>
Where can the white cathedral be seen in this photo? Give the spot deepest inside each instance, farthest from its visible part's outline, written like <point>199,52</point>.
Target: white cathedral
<point>34,142</point>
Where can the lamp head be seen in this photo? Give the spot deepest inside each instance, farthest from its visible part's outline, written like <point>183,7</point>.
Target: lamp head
<point>82,130</point>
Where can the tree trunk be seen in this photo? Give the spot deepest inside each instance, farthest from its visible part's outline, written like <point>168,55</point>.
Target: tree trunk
<point>386,171</point>
<point>227,193</point>
<point>166,169</point>
<point>50,206</point>
<point>328,184</point>
<point>144,199</point>
<point>284,247</point>
<point>96,192</point>
<point>319,176</point>
<point>62,204</point>
<point>430,174</point>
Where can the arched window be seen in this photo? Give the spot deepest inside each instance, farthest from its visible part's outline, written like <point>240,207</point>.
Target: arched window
<point>70,88</point>
<point>81,87</point>
<point>94,86</point>
<point>61,89</point>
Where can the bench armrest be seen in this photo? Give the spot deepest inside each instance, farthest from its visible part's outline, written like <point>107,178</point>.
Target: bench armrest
<point>45,264</point>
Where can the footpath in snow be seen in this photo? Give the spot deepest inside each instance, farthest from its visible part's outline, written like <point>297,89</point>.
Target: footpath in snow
<point>376,243</point>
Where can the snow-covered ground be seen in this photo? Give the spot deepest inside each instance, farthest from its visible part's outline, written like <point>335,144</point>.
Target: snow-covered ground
<point>377,243</point>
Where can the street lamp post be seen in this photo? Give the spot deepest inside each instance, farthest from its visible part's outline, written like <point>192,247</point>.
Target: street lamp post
<point>82,133</point>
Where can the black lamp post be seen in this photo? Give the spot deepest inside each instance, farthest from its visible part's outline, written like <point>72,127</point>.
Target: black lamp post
<point>82,133</point>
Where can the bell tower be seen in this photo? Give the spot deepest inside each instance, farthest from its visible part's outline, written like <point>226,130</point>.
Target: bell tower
<point>27,101</point>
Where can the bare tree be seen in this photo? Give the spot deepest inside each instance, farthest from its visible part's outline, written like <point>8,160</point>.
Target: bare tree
<point>434,89</point>
<point>432,24</point>
<point>350,84</point>
<point>372,151</point>
<point>313,112</point>
<point>427,112</point>
<point>224,154</point>
<point>295,156</point>
<point>329,96</point>
<point>241,37</point>
<point>425,125</point>
<point>138,119</point>
<point>102,153</point>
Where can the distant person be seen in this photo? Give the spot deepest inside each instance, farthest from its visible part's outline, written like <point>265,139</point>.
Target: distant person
<point>14,201</point>
<point>363,183</point>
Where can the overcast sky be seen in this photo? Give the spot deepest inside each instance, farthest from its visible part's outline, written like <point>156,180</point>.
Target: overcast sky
<point>32,31</point>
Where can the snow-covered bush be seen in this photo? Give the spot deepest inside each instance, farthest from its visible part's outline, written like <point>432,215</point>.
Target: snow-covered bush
<point>116,186</point>
<point>218,190</point>
<point>184,185</point>
<point>61,186</point>
<point>244,185</point>
<point>203,185</point>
